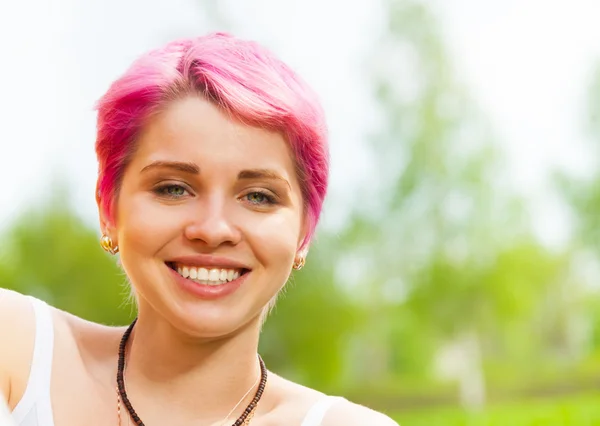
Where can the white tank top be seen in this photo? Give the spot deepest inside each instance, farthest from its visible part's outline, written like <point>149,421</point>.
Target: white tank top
<point>317,412</point>
<point>35,408</point>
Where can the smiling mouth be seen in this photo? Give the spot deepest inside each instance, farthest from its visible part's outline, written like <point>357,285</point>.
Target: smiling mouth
<point>207,275</point>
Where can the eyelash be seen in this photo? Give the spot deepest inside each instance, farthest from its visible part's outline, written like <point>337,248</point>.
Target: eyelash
<point>270,199</point>
<point>163,192</point>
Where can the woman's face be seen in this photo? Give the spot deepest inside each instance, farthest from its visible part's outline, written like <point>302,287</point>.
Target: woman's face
<point>209,218</point>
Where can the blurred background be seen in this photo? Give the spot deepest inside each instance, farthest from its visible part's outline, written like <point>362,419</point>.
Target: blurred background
<point>455,279</point>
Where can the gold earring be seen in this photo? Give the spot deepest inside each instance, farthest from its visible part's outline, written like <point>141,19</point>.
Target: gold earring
<point>107,244</point>
<point>299,262</point>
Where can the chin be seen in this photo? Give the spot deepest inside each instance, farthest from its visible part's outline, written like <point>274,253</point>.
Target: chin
<point>206,319</point>
<point>215,323</point>
<point>192,311</point>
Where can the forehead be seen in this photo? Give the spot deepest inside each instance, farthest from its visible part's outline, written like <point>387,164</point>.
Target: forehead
<point>195,130</point>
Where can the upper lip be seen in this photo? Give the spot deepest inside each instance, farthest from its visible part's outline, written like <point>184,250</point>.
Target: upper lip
<point>209,260</point>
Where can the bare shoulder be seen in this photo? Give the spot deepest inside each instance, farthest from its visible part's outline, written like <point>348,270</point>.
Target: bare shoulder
<point>296,401</point>
<point>74,339</point>
<point>346,413</point>
<point>17,334</point>
<point>16,321</point>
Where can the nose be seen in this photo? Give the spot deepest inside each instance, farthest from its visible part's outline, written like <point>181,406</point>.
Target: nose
<point>212,223</point>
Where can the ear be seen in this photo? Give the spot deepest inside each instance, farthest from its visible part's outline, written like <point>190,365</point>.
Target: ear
<point>302,236</point>
<point>107,226</point>
<point>302,252</point>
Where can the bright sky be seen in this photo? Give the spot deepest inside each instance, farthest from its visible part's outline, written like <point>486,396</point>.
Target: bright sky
<point>526,63</point>
<point>529,65</point>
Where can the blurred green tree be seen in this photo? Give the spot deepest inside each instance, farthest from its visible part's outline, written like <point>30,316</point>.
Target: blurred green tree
<point>312,325</point>
<point>582,193</point>
<point>443,243</point>
<point>50,253</point>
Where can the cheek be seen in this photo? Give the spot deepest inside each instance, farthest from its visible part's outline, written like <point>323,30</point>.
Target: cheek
<point>276,238</point>
<point>144,227</point>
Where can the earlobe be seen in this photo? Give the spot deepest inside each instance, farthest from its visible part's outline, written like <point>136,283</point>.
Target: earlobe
<point>108,245</point>
<point>300,259</point>
<point>106,241</point>
<point>106,225</point>
<point>302,250</point>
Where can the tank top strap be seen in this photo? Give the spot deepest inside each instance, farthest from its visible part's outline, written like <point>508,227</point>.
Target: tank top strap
<point>316,413</point>
<point>37,393</point>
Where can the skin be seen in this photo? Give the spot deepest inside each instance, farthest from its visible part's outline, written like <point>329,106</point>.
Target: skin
<point>196,356</point>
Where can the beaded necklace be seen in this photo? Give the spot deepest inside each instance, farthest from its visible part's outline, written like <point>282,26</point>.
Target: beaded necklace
<point>244,419</point>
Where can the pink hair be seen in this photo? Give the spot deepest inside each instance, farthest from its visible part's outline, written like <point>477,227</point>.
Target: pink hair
<point>241,77</point>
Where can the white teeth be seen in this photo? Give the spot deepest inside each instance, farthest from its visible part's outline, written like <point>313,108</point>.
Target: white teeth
<point>214,274</point>
<point>202,274</point>
<point>208,276</point>
<point>211,283</point>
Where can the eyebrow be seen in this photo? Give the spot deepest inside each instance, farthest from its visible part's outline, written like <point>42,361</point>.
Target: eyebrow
<point>262,174</point>
<point>192,168</point>
<point>181,166</point>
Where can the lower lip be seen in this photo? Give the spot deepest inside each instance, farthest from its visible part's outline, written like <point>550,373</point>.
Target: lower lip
<point>208,292</point>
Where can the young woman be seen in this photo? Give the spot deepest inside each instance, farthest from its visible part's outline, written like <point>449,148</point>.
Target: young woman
<point>213,167</point>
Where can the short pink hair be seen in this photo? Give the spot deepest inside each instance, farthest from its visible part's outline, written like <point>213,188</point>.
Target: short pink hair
<point>239,76</point>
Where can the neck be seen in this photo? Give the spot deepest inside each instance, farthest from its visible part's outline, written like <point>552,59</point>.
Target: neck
<point>196,378</point>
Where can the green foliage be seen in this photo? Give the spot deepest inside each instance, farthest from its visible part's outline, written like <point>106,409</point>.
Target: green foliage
<point>449,249</point>
<point>583,194</point>
<point>573,411</point>
<point>310,326</point>
<point>52,254</point>
<point>482,294</point>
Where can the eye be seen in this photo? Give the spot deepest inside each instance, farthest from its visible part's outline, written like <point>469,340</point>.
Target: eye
<point>171,191</point>
<point>260,198</point>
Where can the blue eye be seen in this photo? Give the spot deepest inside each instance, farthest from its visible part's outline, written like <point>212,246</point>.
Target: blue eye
<point>171,191</point>
<point>260,198</point>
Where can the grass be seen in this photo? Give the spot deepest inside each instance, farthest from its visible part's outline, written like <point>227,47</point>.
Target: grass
<point>581,410</point>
